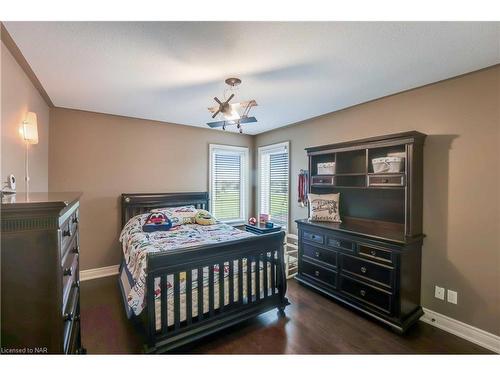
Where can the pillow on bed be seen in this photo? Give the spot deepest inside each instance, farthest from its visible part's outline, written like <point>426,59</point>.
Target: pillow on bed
<point>203,217</point>
<point>179,215</point>
<point>324,207</point>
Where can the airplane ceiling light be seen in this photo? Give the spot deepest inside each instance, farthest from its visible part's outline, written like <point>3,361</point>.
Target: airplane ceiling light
<point>232,113</point>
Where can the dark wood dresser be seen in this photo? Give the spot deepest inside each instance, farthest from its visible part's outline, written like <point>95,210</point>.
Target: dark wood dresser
<point>40,290</point>
<point>372,260</point>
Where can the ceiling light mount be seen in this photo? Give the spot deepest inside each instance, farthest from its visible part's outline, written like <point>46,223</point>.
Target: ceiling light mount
<point>233,82</point>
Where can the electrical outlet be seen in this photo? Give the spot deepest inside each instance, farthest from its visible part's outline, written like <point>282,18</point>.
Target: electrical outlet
<point>452,296</point>
<point>439,292</point>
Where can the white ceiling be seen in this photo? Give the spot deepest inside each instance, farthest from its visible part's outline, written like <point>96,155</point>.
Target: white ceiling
<point>170,71</point>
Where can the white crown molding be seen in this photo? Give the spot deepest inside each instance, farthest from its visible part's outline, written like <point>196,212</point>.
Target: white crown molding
<point>470,333</point>
<point>96,273</point>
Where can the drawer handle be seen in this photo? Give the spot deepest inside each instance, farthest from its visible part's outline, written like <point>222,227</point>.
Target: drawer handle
<point>362,292</point>
<point>67,233</point>
<point>316,273</point>
<point>317,254</point>
<point>373,252</point>
<point>75,220</point>
<point>77,318</point>
<point>76,250</point>
<point>385,180</point>
<point>363,269</point>
<point>76,284</point>
<point>68,317</point>
<point>336,243</point>
<point>68,271</point>
<point>313,236</point>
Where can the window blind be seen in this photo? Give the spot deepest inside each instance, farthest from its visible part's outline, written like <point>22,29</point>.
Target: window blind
<point>228,180</point>
<point>274,182</point>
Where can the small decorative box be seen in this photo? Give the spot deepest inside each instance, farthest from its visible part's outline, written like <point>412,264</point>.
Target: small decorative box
<point>326,168</point>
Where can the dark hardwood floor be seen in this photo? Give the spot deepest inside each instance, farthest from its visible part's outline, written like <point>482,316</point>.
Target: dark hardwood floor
<point>314,324</point>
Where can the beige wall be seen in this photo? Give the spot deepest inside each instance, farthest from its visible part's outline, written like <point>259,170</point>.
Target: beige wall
<point>461,181</point>
<point>19,96</point>
<point>104,156</point>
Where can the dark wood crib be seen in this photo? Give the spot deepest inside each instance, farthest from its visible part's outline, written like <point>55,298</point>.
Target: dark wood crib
<point>247,298</point>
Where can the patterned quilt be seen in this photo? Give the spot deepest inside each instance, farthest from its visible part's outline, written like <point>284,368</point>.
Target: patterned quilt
<point>137,244</point>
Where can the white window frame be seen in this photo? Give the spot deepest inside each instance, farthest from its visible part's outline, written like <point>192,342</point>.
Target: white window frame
<point>260,150</point>
<point>245,176</point>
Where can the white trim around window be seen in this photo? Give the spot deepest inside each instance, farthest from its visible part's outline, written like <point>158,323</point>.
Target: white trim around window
<point>262,202</point>
<point>230,160</point>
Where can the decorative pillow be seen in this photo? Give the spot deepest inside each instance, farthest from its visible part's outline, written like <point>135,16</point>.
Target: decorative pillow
<point>179,215</point>
<point>157,221</point>
<point>324,207</point>
<point>204,217</point>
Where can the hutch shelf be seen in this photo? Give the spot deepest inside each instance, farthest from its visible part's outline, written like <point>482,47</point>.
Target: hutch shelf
<point>371,261</point>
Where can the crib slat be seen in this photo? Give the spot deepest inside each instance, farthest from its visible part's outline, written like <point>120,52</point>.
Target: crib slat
<point>266,284</point>
<point>200,293</point>
<point>211,290</point>
<point>151,308</point>
<point>221,287</point>
<point>273,273</point>
<point>164,306</point>
<point>231,282</point>
<point>189,296</point>
<point>240,281</point>
<point>249,280</point>
<point>177,301</point>
<point>257,278</point>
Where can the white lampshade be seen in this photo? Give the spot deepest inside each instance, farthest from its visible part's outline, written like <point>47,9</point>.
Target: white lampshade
<point>29,130</point>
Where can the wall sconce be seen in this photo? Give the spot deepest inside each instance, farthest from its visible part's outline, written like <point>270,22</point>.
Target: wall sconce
<point>29,132</point>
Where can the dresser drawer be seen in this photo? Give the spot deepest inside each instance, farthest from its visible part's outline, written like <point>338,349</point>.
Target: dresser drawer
<point>319,273</point>
<point>323,255</point>
<point>68,231</point>
<point>72,347</point>
<point>71,319</point>
<point>322,180</point>
<point>72,303</point>
<point>374,253</point>
<point>366,294</point>
<point>69,275</point>
<point>389,180</point>
<point>340,243</point>
<point>313,237</point>
<point>73,247</point>
<point>367,270</point>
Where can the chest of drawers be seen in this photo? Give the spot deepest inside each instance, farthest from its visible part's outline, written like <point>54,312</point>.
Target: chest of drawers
<point>40,266</point>
<point>379,278</point>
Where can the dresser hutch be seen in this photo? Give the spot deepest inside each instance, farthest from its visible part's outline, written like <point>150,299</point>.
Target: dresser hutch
<point>370,261</point>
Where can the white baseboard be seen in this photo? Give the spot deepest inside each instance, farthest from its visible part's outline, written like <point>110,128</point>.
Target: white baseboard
<point>96,273</point>
<point>470,333</point>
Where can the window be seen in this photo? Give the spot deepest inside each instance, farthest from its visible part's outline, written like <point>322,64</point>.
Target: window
<point>229,183</point>
<point>274,182</point>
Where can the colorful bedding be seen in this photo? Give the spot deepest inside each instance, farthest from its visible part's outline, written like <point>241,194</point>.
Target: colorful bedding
<point>137,244</point>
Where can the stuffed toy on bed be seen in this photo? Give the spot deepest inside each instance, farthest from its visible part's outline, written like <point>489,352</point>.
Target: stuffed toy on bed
<point>204,217</point>
<point>157,221</point>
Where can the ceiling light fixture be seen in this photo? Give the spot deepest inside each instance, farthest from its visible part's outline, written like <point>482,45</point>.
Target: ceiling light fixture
<point>232,113</point>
